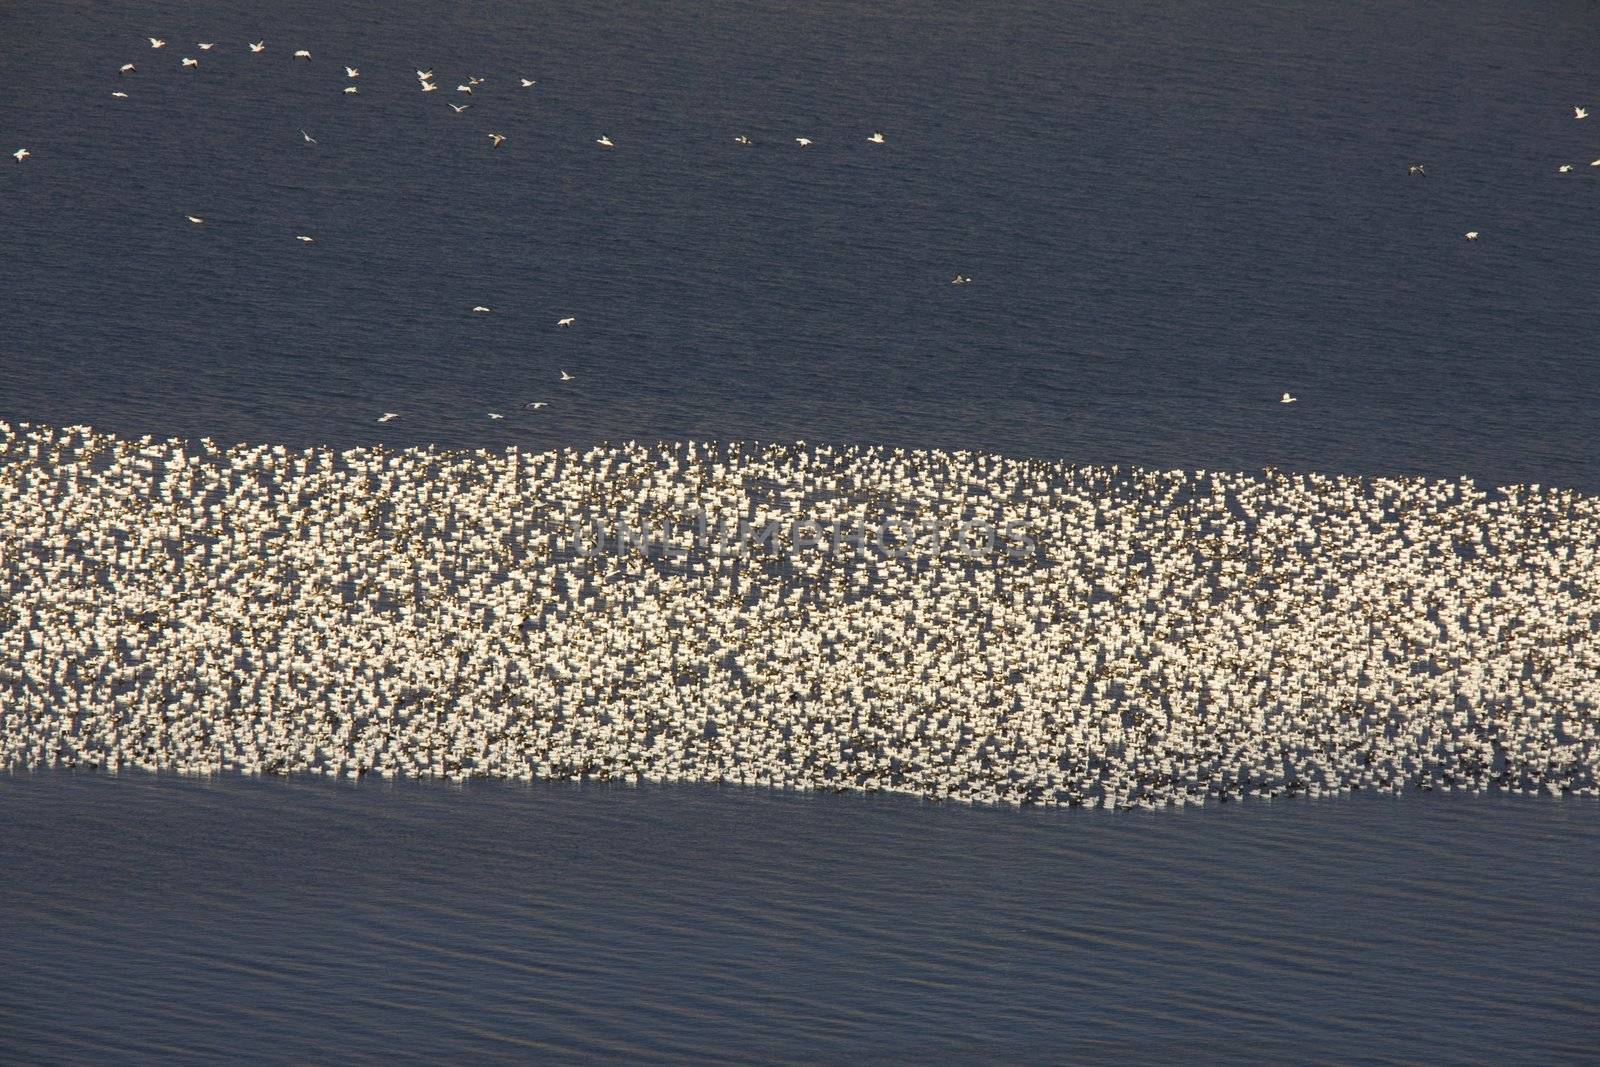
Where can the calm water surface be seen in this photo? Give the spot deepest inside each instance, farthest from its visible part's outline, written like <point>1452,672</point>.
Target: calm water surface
<point>1172,215</point>
<point>308,921</point>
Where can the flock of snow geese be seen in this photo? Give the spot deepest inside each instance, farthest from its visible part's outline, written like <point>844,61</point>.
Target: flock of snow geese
<point>1164,638</point>
<point>1145,638</point>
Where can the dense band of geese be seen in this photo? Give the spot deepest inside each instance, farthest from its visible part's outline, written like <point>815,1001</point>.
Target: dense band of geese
<point>1145,638</point>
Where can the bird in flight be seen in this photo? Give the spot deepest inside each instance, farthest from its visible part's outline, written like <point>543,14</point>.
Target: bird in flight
<point>308,138</point>
<point>568,321</point>
<point>206,46</point>
<point>604,142</point>
<point>961,279</point>
<point>351,72</point>
<point>464,89</point>
<point>126,68</point>
<point>190,62</point>
<point>741,139</point>
<point>497,138</point>
<point>876,138</point>
<point>1472,235</point>
<point>196,219</point>
<point>1416,170</point>
<point>528,83</point>
<point>258,46</point>
<point>302,237</point>
<point>1580,112</point>
<point>1287,398</point>
<point>21,154</point>
<point>496,415</point>
<point>566,377</point>
<point>387,416</point>
<point>156,42</point>
<point>302,54</point>
<point>458,108</point>
<point>1564,168</point>
<point>536,405</point>
<point>120,96</point>
<point>803,142</point>
<point>424,75</point>
<point>351,89</point>
<point>428,86</point>
<point>481,310</point>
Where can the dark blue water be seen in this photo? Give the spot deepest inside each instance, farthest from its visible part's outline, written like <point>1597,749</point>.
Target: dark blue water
<point>1171,214</point>
<point>315,922</point>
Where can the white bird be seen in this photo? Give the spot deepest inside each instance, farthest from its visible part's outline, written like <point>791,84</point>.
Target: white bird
<point>604,142</point>
<point>206,46</point>
<point>351,89</point>
<point>351,72</point>
<point>302,54</point>
<point>496,415</point>
<point>458,108</point>
<point>196,219</point>
<point>126,68</point>
<point>741,139</point>
<point>258,46</point>
<point>190,62</point>
<point>1286,398</point>
<point>302,237</point>
<point>566,377</point>
<point>21,154</point>
<point>424,75</point>
<point>308,138</point>
<point>480,309</point>
<point>961,279</point>
<point>1472,235</point>
<point>156,42</point>
<point>497,138</point>
<point>876,138</point>
<point>474,81</point>
<point>120,96</point>
<point>1417,170</point>
<point>1580,112</point>
<point>528,83</point>
<point>1596,163</point>
<point>537,404</point>
<point>803,142</point>
<point>1564,168</point>
<point>568,321</point>
<point>428,87</point>
<point>464,89</point>
<point>387,415</point>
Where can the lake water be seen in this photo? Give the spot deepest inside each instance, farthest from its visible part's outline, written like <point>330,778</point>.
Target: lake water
<point>1170,215</point>
<point>309,921</point>
<point>1170,218</point>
